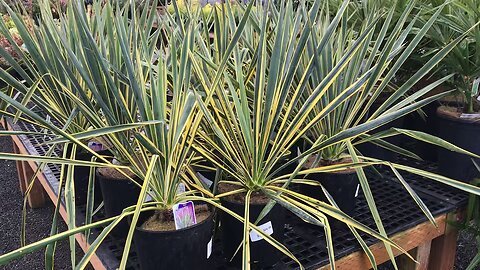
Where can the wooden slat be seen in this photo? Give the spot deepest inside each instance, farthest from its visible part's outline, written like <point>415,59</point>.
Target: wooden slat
<point>408,240</point>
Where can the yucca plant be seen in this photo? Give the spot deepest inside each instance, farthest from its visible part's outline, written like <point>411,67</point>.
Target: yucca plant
<point>61,88</point>
<point>242,114</point>
<point>260,100</point>
<point>355,102</point>
<point>100,70</point>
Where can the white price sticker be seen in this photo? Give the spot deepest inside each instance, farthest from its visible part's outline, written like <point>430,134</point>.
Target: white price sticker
<point>469,115</point>
<point>148,198</point>
<point>205,180</point>
<point>181,188</point>
<point>267,228</point>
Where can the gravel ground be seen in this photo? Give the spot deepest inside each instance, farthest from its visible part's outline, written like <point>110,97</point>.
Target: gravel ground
<point>466,250</point>
<point>38,225</point>
<point>39,222</point>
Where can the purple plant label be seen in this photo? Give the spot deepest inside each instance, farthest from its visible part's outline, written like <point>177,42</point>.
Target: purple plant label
<point>95,146</point>
<point>184,215</point>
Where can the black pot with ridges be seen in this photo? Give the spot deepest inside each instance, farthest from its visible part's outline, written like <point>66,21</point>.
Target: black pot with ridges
<point>183,249</point>
<point>81,175</point>
<point>342,186</point>
<point>118,194</point>
<point>464,133</point>
<point>262,254</point>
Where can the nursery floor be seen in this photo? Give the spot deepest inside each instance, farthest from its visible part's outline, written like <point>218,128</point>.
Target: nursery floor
<point>39,222</point>
<point>38,225</point>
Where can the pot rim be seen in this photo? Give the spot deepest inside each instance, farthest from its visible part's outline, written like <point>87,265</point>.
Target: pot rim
<point>137,228</point>
<point>443,115</point>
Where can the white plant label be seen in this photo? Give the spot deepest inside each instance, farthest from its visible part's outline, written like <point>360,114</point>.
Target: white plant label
<point>267,228</point>
<point>181,188</point>
<point>209,248</point>
<point>469,115</point>
<point>205,180</point>
<point>148,198</point>
<point>358,189</point>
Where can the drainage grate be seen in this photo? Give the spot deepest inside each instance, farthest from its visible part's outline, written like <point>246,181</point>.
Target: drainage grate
<point>428,186</point>
<point>397,209</point>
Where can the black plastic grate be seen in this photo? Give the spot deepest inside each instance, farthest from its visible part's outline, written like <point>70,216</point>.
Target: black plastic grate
<point>428,186</point>
<point>397,210</point>
<point>307,243</point>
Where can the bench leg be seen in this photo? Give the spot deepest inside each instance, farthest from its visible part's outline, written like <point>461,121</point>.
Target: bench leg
<point>444,249</point>
<point>20,165</point>
<point>421,255</point>
<point>36,196</point>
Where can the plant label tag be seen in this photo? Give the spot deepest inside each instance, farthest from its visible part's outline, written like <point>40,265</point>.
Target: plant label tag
<point>95,146</point>
<point>181,188</point>
<point>205,180</point>
<point>184,215</point>
<point>358,189</point>
<point>267,228</point>
<point>148,198</point>
<point>209,248</point>
<point>469,115</point>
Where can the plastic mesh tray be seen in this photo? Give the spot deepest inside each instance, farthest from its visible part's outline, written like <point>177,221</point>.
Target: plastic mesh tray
<point>428,186</point>
<point>397,209</point>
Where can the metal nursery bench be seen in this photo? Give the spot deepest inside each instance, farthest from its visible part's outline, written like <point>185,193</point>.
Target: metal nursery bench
<point>434,248</point>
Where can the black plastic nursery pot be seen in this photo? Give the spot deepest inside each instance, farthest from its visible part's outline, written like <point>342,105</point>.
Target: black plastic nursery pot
<point>342,186</point>
<point>427,124</point>
<point>183,249</point>
<point>463,133</point>
<point>262,254</point>
<point>117,195</point>
<point>81,177</point>
<point>372,150</point>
